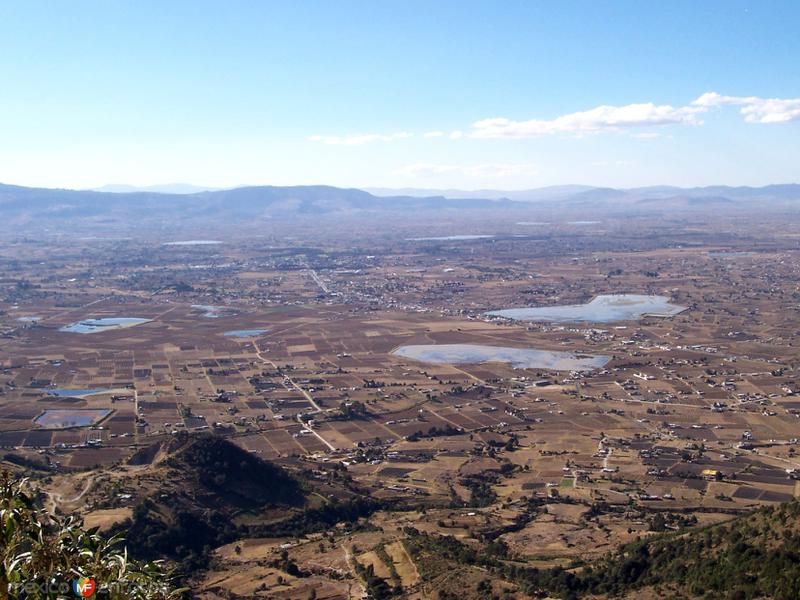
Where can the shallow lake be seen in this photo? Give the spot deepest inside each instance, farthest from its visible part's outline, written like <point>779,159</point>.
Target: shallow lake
<point>245,332</point>
<point>30,319</point>
<point>104,324</point>
<point>602,309</point>
<point>453,238</point>
<point>209,310</point>
<point>519,358</point>
<point>78,417</point>
<point>193,243</point>
<point>729,253</point>
<point>63,392</point>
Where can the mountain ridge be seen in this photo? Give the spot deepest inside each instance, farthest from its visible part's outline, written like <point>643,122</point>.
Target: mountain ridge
<point>164,188</point>
<point>22,206</point>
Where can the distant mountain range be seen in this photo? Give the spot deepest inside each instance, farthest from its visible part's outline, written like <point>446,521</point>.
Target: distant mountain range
<point>545,193</point>
<point>166,188</point>
<point>23,206</point>
<point>580,193</point>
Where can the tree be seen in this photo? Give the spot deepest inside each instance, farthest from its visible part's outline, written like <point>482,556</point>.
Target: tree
<point>43,555</point>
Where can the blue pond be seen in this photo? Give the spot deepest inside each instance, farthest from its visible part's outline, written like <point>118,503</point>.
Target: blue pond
<point>245,332</point>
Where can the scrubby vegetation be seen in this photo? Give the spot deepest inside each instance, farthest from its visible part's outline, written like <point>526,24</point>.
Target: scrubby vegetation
<point>444,431</point>
<point>177,531</point>
<point>749,557</point>
<point>753,556</point>
<point>24,461</point>
<point>481,493</point>
<point>43,555</point>
<point>377,587</point>
<point>351,410</point>
<point>314,520</point>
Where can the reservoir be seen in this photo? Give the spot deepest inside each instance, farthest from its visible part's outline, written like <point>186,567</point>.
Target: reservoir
<point>239,333</point>
<point>729,253</point>
<point>450,238</point>
<point>209,310</point>
<point>602,309</point>
<point>105,324</point>
<point>65,393</point>
<point>64,418</point>
<point>519,358</point>
<point>193,243</point>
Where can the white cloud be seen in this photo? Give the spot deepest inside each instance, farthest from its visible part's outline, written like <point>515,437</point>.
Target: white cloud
<point>606,118</point>
<point>359,139</point>
<point>601,118</point>
<point>610,163</point>
<point>485,170</point>
<point>631,116</point>
<point>753,108</point>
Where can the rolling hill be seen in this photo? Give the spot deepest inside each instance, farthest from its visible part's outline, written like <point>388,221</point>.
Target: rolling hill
<point>23,208</point>
<point>752,556</point>
<point>45,206</point>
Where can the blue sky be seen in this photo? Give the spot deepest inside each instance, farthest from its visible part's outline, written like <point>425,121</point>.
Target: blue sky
<point>506,95</point>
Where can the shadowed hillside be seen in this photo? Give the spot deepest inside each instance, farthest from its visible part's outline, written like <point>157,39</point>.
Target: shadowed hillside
<point>752,556</point>
<point>209,485</point>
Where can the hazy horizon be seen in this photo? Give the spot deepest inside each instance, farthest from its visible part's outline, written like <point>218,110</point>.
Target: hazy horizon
<point>182,188</point>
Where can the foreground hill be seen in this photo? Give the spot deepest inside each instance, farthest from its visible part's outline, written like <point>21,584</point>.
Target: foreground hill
<point>218,473</point>
<point>223,516</point>
<point>752,556</point>
<point>195,493</point>
<point>205,486</point>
